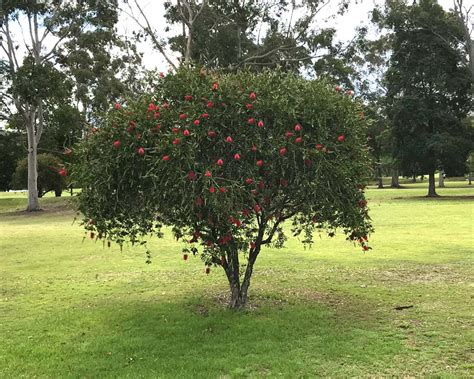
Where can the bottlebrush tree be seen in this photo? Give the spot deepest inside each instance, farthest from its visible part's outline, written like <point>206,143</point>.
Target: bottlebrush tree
<point>225,160</point>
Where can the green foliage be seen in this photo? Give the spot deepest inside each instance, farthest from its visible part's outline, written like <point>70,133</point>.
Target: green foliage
<point>11,150</point>
<point>428,87</point>
<point>225,160</point>
<point>49,178</point>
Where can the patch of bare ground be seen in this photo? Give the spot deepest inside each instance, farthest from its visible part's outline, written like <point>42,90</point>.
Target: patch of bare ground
<point>55,209</point>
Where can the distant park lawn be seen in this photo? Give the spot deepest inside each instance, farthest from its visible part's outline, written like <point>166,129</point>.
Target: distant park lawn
<point>71,308</point>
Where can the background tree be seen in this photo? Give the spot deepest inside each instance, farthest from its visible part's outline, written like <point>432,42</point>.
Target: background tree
<point>253,34</point>
<point>225,161</point>
<point>51,175</point>
<point>428,89</point>
<point>11,150</point>
<point>64,53</point>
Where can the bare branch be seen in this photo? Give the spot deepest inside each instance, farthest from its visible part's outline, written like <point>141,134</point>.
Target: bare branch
<point>149,30</point>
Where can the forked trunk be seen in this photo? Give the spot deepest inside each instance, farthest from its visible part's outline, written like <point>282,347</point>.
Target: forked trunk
<point>431,186</point>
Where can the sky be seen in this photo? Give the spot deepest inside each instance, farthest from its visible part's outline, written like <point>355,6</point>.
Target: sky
<point>344,24</point>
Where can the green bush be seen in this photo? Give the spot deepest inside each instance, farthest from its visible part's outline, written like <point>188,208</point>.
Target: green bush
<point>225,160</point>
<point>49,178</point>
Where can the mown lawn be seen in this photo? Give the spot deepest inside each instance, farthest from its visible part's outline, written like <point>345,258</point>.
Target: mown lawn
<point>71,308</point>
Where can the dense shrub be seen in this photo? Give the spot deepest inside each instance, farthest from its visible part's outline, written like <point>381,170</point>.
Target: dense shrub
<point>225,160</point>
<point>50,169</point>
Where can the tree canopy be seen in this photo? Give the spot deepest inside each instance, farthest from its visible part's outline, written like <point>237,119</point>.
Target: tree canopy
<point>225,160</point>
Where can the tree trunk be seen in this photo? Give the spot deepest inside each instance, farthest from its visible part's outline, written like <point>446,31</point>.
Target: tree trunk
<point>441,179</point>
<point>470,178</point>
<point>379,177</point>
<point>33,202</point>
<point>431,186</point>
<point>395,182</point>
<point>414,179</point>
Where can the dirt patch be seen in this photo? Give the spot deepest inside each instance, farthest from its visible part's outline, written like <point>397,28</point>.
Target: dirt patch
<point>59,208</point>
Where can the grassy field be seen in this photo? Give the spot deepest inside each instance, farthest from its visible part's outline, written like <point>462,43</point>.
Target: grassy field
<point>71,308</point>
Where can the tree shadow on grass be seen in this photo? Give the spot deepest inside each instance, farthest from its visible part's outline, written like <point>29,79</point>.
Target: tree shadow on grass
<point>167,338</point>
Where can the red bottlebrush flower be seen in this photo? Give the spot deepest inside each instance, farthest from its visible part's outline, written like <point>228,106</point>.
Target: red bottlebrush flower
<point>185,257</point>
<point>283,182</point>
<point>259,163</point>
<point>289,134</point>
<point>249,106</point>
<point>254,148</point>
<point>341,138</point>
<point>176,141</point>
<point>191,175</point>
<point>222,190</point>
<point>228,139</point>
<point>199,201</point>
<point>211,134</point>
<point>236,156</point>
<point>319,146</point>
<point>186,133</point>
<point>298,140</point>
<point>365,247</point>
<point>245,212</point>
<point>210,104</point>
<point>67,151</point>
<point>249,181</point>
<point>215,86</point>
<point>175,130</point>
<point>182,116</point>
<point>196,122</point>
<point>138,136</point>
<point>297,128</point>
<point>365,238</point>
<point>132,124</point>
<point>157,115</point>
<point>151,107</point>
<point>350,92</point>
<point>208,270</point>
<point>223,104</point>
<point>205,115</point>
<point>261,185</point>
<point>260,124</point>
<point>141,151</point>
<point>117,106</point>
<point>282,151</point>
<point>252,96</point>
<point>165,158</point>
<point>250,121</point>
<point>165,105</point>
<point>62,172</point>
<point>362,203</point>
<point>212,189</point>
<point>130,129</point>
<point>338,88</point>
<point>208,174</point>
<point>220,162</point>
<point>162,75</point>
<point>188,97</point>
<point>257,208</point>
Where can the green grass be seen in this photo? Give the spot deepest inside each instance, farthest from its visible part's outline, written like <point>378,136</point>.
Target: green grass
<point>71,308</point>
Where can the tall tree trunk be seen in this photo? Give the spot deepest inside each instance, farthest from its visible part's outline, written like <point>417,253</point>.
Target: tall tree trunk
<point>431,186</point>
<point>33,202</point>
<point>469,177</point>
<point>441,179</point>
<point>413,179</point>
<point>395,182</point>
